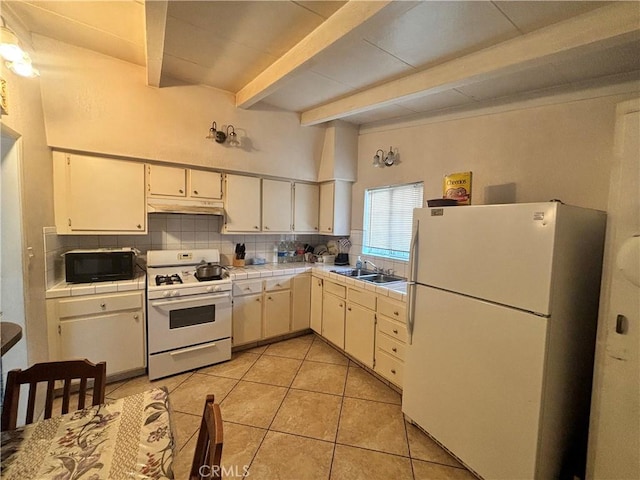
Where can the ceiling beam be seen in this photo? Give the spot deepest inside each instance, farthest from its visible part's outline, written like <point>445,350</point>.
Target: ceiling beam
<point>353,14</point>
<point>595,30</point>
<point>155,25</point>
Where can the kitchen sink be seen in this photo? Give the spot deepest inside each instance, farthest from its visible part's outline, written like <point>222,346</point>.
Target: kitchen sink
<point>369,275</point>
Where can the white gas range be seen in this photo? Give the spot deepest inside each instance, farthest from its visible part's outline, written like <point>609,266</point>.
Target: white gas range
<point>188,319</point>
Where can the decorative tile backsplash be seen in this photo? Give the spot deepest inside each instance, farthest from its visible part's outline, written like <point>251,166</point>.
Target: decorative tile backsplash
<point>172,232</point>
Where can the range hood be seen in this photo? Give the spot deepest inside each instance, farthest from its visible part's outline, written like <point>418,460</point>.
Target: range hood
<point>178,205</point>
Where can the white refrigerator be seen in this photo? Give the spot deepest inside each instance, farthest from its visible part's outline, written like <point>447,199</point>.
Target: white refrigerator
<point>502,313</point>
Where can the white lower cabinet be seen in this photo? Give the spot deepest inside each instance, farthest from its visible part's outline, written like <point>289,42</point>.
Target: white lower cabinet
<point>247,319</point>
<point>316,304</point>
<point>333,310</point>
<point>359,333</point>
<point>108,327</point>
<point>301,302</point>
<point>277,313</point>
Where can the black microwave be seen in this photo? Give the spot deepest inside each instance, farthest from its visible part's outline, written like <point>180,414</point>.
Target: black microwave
<point>99,265</point>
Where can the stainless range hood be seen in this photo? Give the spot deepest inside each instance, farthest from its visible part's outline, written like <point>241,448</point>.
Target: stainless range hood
<point>173,205</point>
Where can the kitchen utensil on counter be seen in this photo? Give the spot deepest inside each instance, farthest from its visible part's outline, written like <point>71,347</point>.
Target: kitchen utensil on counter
<point>344,244</point>
<point>209,271</point>
<point>238,260</point>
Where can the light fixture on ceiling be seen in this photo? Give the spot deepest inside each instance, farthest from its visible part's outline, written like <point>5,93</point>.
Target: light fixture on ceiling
<point>382,159</point>
<point>220,136</point>
<point>377,159</point>
<point>17,60</point>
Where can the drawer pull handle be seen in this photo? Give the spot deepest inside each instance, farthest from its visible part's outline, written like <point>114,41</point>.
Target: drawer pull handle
<point>278,285</point>
<point>103,306</point>
<point>247,288</point>
<point>396,313</point>
<point>393,370</point>
<point>394,349</point>
<point>395,330</point>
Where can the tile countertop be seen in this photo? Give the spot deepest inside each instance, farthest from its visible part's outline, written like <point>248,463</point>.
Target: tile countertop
<point>64,289</point>
<point>396,290</point>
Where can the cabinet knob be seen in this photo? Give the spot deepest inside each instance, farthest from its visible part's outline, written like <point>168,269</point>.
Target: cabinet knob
<point>278,285</point>
<point>315,228</point>
<point>329,228</point>
<point>266,228</point>
<point>139,226</point>
<point>256,227</point>
<point>195,192</point>
<point>349,308</point>
<point>393,370</point>
<point>181,191</point>
<point>269,298</point>
<point>135,317</point>
<point>396,313</point>
<point>258,299</point>
<point>395,330</point>
<point>394,349</point>
<point>103,306</point>
<point>341,305</point>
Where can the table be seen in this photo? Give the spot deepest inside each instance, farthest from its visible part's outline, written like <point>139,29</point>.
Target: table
<point>130,438</point>
<point>10,333</point>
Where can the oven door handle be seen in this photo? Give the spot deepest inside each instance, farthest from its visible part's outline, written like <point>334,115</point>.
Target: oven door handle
<point>190,300</point>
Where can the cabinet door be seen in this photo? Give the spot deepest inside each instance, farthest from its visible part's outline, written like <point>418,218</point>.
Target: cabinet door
<point>242,204</point>
<point>333,309</point>
<point>316,305</point>
<point>105,195</point>
<point>205,184</point>
<point>359,333</point>
<point>247,319</point>
<point>306,205</point>
<point>301,302</point>
<point>276,206</point>
<point>326,208</point>
<point>277,313</point>
<point>116,338</point>
<point>169,181</point>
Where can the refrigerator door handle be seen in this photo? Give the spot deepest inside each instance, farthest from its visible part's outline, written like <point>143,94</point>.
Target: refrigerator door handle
<point>411,286</point>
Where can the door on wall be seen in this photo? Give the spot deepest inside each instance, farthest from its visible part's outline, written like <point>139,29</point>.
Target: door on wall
<point>614,445</point>
<point>12,307</point>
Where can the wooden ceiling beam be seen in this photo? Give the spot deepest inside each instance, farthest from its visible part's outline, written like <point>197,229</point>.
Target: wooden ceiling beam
<point>353,14</point>
<point>595,30</point>
<point>155,28</point>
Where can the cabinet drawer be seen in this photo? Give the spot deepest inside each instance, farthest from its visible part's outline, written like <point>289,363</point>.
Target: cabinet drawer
<point>361,297</point>
<point>393,329</point>
<point>335,289</point>
<point>176,361</point>
<point>93,304</point>
<point>277,283</point>
<point>392,309</point>
<point>247,288</point>
<point>389,367</point>
<point>391,346</point>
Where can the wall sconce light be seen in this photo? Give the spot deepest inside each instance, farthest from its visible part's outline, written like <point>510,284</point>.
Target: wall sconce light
<point>220,136</point>
<point>17,60</point>
<point>382,159</point>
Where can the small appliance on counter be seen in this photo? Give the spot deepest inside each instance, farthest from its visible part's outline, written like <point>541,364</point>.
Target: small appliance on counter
<point>342,259</point>
<point>100,265</point>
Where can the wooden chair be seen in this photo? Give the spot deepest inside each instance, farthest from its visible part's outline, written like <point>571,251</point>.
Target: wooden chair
<point>50,372</point>
<point>208,453</point>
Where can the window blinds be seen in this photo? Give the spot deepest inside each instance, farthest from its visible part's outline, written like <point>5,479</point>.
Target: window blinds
<point>388,214</point>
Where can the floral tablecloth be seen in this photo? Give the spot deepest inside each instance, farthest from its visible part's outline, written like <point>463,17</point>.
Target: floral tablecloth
<point>130,438</point>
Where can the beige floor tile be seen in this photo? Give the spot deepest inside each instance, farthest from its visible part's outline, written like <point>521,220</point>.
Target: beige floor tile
<point>253,404</point>
<point>183,459</point>
<point>189,396</point>
<point>140,384</point>
<point>431,471</point>
<point>422,447</point>
<point>358,464</point>
<point>257,350</point>
<point>292,348</point>
<point>273,370</point>
<point>374,425</point>
<point>361,384</point>
<point>240,446</point>
<point>321,377</point>
<point>323,352</point>
<point>289,457</point>
<point>310,414</point>
<point>184,426</point>
<point>239,364</point>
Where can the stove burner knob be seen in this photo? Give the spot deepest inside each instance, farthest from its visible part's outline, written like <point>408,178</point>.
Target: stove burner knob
<point>166,294</point>
<point>210,289</point>
<point>174,293</point>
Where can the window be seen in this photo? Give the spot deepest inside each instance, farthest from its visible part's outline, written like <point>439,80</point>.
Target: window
<point>388,214</point>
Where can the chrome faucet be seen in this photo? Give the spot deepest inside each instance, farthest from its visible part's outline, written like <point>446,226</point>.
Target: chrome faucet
<point>373,265</point>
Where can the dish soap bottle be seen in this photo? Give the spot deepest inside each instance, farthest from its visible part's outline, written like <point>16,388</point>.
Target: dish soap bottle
<point>359,263</point>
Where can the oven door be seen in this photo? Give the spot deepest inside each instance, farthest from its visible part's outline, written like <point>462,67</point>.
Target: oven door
<point>184,321</point>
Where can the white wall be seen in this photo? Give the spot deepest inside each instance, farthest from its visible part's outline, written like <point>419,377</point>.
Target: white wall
<point>99,104</point>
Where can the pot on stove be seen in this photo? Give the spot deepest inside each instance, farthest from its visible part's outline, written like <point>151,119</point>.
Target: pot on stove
<point>209,271</point>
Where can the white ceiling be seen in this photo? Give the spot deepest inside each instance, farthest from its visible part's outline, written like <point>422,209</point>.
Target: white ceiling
<point>319,59</point>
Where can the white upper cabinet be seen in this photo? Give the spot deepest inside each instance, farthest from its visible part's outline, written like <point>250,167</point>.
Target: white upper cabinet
<point>242,204</point>
<point>276,206</point>
<point>167,181</point>
<point>335,208</point>
<point>94,195</point>
<point>205,184</point>
<point>306,205</point>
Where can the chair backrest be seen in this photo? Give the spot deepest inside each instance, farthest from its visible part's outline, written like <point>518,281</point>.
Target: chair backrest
<point>50,372</point>
<point>208,453</point>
